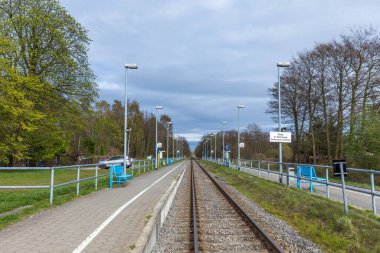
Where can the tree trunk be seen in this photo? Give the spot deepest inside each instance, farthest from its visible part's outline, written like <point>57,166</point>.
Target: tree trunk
<point>326,123</point>
<point>339,134</point>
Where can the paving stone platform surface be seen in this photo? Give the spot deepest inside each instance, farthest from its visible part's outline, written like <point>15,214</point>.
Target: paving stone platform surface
<point>62,229</point>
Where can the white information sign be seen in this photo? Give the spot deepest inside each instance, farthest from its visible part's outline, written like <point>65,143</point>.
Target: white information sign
<point>242,144</point>
<point>285,137</point>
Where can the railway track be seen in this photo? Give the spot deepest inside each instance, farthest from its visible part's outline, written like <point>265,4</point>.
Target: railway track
<point>206,219</point>
<point>219,224</point>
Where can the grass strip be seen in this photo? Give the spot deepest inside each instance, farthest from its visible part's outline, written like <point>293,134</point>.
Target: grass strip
<point>315,218</point>
<point>38,199</point>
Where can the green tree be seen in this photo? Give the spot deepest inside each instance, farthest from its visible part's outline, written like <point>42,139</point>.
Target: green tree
<point>49,44</point>
<point>18,113</point>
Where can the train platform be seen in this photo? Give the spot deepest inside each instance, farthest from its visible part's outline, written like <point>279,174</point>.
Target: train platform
<point>110,220</point>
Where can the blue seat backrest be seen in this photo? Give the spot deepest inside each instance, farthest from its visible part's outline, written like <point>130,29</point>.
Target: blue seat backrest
<point>305,171</point>
<point>118,170</point>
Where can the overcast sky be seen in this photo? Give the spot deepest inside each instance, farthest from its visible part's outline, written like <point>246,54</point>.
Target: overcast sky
<point>199,59</point>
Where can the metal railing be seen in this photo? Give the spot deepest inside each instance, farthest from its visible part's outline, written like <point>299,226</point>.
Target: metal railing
<point>137,165</point>
<point>268,169</point>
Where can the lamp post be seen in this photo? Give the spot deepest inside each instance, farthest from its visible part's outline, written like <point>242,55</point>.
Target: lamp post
<point>158,107</point>
<point>178,148</point>
<point>181,148</point>
<point>173,143</point>
<point>206,149</point>
<point>203,150</point>
<point>239,107</point>
<point>212,151</point>
<point>215,145</point>
<point>223,123</point>
<point>126,66</point>
<point>167,126</point>
<point>280,65</point>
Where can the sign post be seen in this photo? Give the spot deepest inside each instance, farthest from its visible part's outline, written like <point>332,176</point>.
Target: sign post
<point>340,169</point>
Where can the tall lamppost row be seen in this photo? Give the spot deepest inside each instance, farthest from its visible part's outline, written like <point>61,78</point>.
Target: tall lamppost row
<point>158,107</point>
<point>126,66</point>
<point>239,107</point>
<point>280,65</point>
<point>223,123</point>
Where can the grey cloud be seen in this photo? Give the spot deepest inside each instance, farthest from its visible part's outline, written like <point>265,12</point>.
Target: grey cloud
<point>201,58</point>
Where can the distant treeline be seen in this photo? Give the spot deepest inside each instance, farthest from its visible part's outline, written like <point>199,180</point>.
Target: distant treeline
<point>105,135</point>
<point>256,144</point>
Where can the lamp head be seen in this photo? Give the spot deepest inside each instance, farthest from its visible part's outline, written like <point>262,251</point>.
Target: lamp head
<point>241,106</point>
<point>224,122</point>
<point>131,66</point>
<point>283,64</point>
<point>159,107</point>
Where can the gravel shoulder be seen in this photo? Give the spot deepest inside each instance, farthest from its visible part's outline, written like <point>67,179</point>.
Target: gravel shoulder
<point>279,230</point>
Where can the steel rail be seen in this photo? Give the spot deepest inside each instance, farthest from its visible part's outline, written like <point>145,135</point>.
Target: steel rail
<point>195,226</point>
<point>271,244</point>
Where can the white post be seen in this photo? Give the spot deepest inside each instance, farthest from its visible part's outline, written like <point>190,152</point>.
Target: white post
<point>96,177</point>
<point>125,122</point>
<point>280,65</point>
<point>155,147</point>
<point>343,188</point>
<point>279,125</point>
<point>327,184</point>
<point>78,178</point>
<point>52,186</point>
<point>373,193</point>
<point>259,167</point>
<point>215,146</point>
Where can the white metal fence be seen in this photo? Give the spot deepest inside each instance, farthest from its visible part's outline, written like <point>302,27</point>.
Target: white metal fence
<point>138,165</point>
<point>270,170</point>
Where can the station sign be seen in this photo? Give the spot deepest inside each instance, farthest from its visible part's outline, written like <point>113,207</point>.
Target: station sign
<point>241,144</point>
<point>284,137</point>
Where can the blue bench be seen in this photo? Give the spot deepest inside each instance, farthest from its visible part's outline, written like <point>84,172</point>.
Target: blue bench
<point>308,172</point>
<point>117,175</point>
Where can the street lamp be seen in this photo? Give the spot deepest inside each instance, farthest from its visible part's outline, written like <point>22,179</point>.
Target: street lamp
<point>181,148</point>
<point>215,145</point>
<point>126,66</point>
<point>168,124</point>
<point>173,141</point>
<point>280,65</point>
<point>239,107</point>
<point>204,151</point>
<point>158,107</point>
<point>178,147</point>
<point>212,151</point>
<point>223,123</point>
